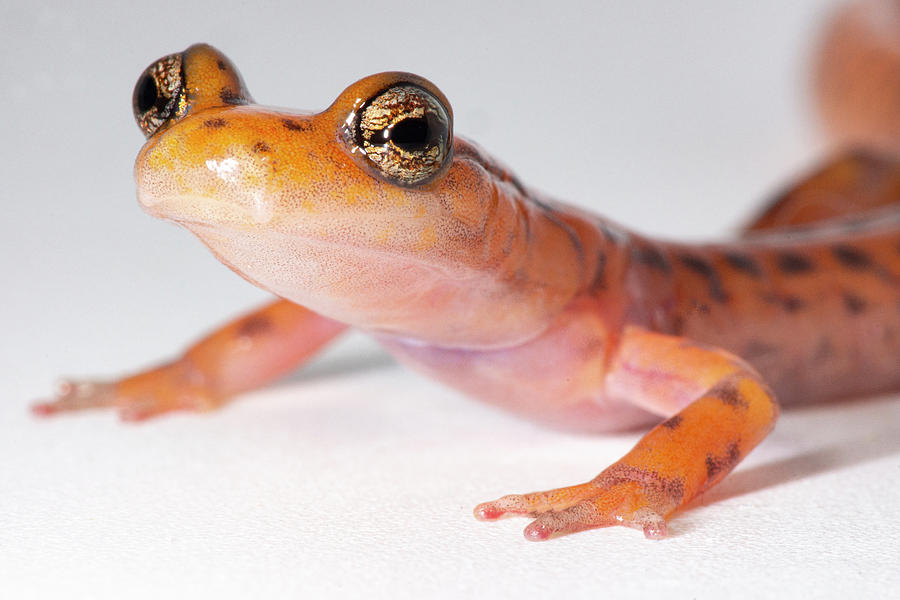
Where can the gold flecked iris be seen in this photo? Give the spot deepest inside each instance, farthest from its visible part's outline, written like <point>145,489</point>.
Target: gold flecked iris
<point>405,131</point>
<point>159,94</point>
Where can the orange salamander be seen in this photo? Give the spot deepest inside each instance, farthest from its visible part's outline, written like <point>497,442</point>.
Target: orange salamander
<point>372,214</point>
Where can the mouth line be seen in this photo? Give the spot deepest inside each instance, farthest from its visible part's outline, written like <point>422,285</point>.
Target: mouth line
<point>243,223</point>
<point>202,229</point>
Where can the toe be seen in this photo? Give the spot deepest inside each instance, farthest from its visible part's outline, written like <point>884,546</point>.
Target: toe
<point>77,395</point>
<point>579,517</point>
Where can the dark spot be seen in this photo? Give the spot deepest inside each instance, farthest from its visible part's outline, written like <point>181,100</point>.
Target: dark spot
<point>700,307</point>
<point>228,96</point>
<point>215,123</point>
<point>743,263</point>
<point>672,422</point>
<point>652,483</point>
<point>221,64</point>
<point>854,304</point>
<point>722,464</point>
<point>729,394</point>
<point>253,326</point>
<point>599,280</point>
<point>702,267</point>
<point>852,258</point>
<point>294,125</point>
<point>824,350</point>
<point>526,232</point>
<point>696,264</point>
<point>788,303</point>
<point>650,256</point>
<point>792,303</point>
<point>261,147</point>
<point>794,264</point>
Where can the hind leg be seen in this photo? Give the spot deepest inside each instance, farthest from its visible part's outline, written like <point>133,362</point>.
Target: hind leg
<point>719,409</point>
<point>850,185</point>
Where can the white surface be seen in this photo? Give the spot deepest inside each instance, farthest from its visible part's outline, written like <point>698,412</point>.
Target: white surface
<point>355,477</point>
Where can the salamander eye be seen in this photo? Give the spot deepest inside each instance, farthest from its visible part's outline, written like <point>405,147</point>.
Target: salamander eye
<point>159,94</point>
<point>406,132</point>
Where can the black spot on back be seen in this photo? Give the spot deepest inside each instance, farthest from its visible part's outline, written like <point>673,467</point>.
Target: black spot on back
<point>221,64</point>
<point>294,125</point>
<point>743,263</point>
<point>261,147</point>
<point>792,303</point>
<point>794,264</point>
<point>700,307</point>
<point>215,123</point>
<point>650,256</point>
<point>702,267</point>
<point>852,258</point>
<point>854,304</point>
<point>789,303</point>
<point>599,280</point>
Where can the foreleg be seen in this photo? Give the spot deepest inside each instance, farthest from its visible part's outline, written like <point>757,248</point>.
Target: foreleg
<point>243,355</point>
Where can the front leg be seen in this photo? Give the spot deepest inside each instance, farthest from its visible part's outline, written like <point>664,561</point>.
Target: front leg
<point>718,409</point>
<point>243,355</point>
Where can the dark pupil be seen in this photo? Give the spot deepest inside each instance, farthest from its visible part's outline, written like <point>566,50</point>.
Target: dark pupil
<point>409,134</point>
<point>146,96</point>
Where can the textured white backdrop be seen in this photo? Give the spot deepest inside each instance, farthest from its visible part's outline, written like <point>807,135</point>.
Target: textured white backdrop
<point>355,477</point>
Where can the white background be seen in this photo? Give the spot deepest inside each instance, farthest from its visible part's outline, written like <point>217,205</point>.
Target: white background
<point>355,477</point>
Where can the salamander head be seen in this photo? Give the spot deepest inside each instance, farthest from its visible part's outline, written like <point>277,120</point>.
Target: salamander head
<point>365,211</point>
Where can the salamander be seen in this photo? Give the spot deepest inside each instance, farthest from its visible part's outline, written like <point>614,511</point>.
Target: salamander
<point>373,214</point>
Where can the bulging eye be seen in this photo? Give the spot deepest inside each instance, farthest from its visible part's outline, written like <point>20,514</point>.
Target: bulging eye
<point>406,132</point>
<point>159,94</point>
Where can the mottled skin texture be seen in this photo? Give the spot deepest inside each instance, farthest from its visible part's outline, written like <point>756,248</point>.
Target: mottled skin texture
<point>521,301</point>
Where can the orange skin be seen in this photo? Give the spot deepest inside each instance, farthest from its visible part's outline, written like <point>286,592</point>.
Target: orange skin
<point>526,303</point>
<point>857,75</point>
